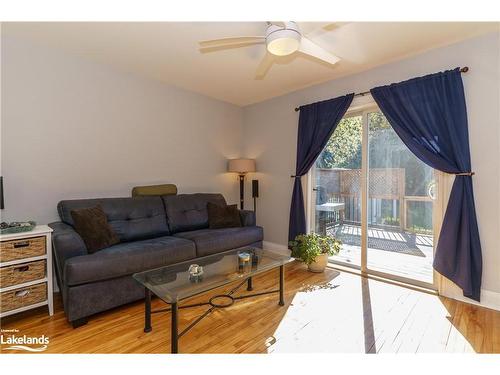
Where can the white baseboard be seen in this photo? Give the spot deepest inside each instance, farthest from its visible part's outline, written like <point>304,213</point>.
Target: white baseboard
<point>489,299</point>
<point>276,247</point>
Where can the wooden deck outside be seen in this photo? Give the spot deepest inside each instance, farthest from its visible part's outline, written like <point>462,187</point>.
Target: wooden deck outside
<point>391,251</point>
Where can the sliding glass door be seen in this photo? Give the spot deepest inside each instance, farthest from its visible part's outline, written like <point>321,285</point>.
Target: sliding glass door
<point>372,193</point>
<point>337,188</point>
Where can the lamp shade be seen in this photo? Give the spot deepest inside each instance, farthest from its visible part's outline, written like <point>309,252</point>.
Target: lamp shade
<point>241,165</point>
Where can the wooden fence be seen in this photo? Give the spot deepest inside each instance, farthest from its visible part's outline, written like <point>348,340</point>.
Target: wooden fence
<point>386,193</point>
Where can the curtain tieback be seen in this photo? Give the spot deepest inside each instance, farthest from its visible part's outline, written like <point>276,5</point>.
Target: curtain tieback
<point>295,176</point>
<point>464,174</point>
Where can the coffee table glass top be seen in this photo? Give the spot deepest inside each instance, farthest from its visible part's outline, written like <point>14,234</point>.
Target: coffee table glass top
<point>173,283</point>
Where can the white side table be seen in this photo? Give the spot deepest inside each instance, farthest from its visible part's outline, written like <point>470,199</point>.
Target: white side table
<point>26,271</point>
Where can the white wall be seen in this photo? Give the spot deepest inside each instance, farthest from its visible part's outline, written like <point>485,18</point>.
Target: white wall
<point>270,135</point>
<point>72,128</point>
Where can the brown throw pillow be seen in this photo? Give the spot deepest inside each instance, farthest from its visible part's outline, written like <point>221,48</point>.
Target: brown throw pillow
<point>92,225</point>
<point>223,216</point>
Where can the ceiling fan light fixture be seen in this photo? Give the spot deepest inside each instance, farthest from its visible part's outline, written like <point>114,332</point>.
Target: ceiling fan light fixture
<point>283,41</point>
<point>283,46</point>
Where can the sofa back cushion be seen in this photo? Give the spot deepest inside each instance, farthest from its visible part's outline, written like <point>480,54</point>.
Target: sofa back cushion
<point>93,227</point>
<point>223,216</point>
<point>130,218</point>
<point>187,212</point>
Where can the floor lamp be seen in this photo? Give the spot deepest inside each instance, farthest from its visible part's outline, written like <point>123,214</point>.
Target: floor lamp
<point>242,167</point>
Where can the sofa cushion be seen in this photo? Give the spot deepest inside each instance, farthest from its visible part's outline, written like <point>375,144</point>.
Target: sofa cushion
<point>211,241</point>
<point>92,225</point>
<point>223,216</point>
<point>130,218</point>
<point>186,212</point>
<point>247,218</point>
<point>127,258</point>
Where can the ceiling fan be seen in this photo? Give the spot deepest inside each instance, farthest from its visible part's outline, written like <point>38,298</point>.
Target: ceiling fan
<point>281,39</point>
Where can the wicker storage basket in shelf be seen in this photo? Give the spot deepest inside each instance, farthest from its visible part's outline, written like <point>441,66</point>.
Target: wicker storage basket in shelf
<point>22,273</point>
<point>22,248</point>
<point>17,298</point>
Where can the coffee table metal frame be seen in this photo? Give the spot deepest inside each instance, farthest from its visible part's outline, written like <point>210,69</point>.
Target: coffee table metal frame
<point>174,306</point>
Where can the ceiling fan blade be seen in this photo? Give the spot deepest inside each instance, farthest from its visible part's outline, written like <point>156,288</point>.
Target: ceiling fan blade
<point>335,25</point>
<point>308,27</point>
<point>314,29</point>
<point>309,48</point>
<point>264,66</point>
<point>233,40</point>
<point>222,47</point>
<point>277,23</point>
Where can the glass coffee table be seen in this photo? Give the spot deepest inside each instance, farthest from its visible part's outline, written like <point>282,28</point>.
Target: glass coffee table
<point>175,283</point>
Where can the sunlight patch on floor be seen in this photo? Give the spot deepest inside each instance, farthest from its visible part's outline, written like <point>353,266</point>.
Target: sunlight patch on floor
<point>310,324</point>
<point>365,317</point>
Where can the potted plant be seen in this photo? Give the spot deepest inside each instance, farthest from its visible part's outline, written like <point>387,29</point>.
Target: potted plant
<point>314,249</point>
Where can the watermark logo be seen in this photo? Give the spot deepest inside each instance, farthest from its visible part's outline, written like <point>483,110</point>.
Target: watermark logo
<point>15,341</point>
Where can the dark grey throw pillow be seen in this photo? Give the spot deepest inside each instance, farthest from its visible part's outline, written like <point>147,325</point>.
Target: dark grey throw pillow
<point>223,216</point>
<point>92,225</point>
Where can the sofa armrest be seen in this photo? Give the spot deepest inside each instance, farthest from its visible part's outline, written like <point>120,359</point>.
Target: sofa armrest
<point>247,218</point>
<point>66,243</point>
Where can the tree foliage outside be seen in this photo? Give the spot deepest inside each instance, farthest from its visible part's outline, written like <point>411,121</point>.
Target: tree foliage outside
<point>386,150</point>
<point>343,149</point>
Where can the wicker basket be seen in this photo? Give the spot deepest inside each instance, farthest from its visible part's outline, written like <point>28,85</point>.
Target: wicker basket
<point>22,248</point>
<point>22,273</point>
<point>17,298</point>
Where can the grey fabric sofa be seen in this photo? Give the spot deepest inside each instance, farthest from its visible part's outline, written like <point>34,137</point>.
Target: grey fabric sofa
<point>153,232</point>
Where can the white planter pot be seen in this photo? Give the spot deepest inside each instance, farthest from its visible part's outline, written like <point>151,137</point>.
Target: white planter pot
<point>319,263</point>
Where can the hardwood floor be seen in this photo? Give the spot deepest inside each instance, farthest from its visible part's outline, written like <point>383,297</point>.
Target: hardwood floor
<point>335,312</point>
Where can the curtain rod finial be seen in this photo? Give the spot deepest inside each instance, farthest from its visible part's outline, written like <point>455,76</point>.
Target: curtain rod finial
<point>465,69</point>
<point>297,109</point>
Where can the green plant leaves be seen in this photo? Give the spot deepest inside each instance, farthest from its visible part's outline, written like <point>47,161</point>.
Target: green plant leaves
<point>307,247</point>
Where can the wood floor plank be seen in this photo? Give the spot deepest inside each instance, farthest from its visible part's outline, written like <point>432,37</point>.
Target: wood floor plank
<point>335,312</point>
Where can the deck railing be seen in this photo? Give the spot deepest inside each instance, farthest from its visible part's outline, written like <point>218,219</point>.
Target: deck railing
<point>388,205</point>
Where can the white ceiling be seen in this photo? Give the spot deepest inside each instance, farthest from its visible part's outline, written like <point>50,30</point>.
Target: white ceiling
<point>168,51</point>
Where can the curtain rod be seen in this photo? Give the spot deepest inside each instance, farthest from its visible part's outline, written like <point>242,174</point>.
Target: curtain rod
<point>465,69</point>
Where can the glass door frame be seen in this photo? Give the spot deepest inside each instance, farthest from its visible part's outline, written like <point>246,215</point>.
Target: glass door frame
<point>438,208</point>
